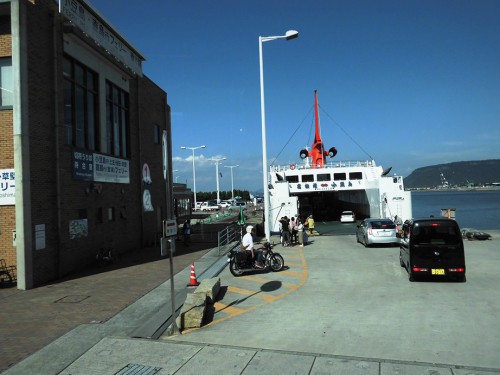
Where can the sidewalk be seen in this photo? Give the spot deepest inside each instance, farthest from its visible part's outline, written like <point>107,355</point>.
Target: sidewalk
<point>34,318</point>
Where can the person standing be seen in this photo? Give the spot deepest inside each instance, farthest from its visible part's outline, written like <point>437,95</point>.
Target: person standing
<point>293,229</point>
<point>285,224</point>
<point>186,232</point>
<point>300,232</point>
<point>310,224</point>
<point>280,223</point>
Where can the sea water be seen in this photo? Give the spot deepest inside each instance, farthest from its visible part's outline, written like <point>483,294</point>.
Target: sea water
<point>478,209</point>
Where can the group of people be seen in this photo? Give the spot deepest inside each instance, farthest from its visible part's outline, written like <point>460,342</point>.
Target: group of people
<point>294,230</point>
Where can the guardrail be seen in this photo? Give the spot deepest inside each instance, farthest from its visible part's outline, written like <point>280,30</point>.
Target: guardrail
<point>228,238</point>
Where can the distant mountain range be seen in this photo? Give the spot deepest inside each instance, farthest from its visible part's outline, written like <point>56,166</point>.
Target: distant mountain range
<point>462,173</point>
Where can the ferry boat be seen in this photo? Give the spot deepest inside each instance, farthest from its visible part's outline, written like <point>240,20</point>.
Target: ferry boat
<point>324,188</point>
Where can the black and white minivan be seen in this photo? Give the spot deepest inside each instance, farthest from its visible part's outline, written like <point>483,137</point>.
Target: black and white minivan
<point>432,247</point>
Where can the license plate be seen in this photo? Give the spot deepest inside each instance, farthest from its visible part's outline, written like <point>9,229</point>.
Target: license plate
<point>437,271</point>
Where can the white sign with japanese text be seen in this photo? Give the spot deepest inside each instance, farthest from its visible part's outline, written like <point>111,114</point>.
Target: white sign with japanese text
<point>109,169</point>
<point>7,187</point>
<point>82,15</point>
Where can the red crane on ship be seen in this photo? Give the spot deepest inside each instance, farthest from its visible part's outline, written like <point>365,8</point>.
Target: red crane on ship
<point>317,153</point>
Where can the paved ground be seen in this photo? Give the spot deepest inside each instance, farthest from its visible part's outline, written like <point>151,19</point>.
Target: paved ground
<point>34,318</point>
<point>340,298</point>
<point>268,323</point>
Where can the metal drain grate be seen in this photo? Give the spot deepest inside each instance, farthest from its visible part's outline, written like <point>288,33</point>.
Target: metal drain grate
<point>134,369</point>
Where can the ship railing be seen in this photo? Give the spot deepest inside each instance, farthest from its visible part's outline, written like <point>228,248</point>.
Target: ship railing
<point>332,164</point>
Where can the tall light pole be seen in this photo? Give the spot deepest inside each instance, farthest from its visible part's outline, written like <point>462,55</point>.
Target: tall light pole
<point>232,185</point>
<point>290,34</point>
<point>217,161</point>
<point>194,172</point>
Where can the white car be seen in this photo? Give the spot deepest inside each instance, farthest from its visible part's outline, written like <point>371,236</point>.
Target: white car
<point>209,206</point>
<point>224,204</point>
<point>347,217</point>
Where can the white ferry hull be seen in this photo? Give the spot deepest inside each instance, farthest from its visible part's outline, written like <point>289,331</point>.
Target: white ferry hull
<point>327,191</point>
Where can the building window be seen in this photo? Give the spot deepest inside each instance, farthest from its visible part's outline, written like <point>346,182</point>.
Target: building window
<point>6,82</point>
<point>156,135</point>
<point>117,129</point>
<point>80,105</point>
<point>111,214</point>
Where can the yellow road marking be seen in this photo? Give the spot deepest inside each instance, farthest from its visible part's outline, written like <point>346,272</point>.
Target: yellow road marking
<point>231,311</point>
<point>293,264</point>
<point>292,273</point>
<point>256,279</point>
<point>228,309</point>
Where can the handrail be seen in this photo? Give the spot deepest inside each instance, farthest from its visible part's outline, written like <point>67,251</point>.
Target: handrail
<point>226,238</point>
<point>332,164</point>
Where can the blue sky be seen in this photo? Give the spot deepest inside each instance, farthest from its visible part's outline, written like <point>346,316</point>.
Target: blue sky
<point>407,83</point>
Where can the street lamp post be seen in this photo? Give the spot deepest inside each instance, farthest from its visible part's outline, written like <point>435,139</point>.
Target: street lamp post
<point>217,161</point>
<point>290,34</point>
<point>232,184</point>
<point>194,172</point>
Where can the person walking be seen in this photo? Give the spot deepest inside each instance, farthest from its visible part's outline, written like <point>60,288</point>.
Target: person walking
<point>186,232</point>
<point>310,224</point>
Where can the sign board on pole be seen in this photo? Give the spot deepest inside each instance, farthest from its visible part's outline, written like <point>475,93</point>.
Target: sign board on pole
<point>169,228</point>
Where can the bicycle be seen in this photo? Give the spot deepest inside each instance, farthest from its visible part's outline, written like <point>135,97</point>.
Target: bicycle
<point>105,256</point>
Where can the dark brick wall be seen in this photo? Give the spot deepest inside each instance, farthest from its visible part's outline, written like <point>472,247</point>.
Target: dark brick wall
<point>56,198</point>
<point>7,213</point>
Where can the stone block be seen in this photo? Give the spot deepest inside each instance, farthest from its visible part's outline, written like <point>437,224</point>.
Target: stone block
<point>210,288</point>
<point>192,311</point>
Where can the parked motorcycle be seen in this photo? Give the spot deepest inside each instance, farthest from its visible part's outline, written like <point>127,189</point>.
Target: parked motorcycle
<point>241,262</point>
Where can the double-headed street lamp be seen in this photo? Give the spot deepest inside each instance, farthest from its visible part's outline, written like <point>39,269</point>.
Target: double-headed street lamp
<point>232,185</point>
<point>194,173</point>
<point>290,34</point>
<point>217,161</point>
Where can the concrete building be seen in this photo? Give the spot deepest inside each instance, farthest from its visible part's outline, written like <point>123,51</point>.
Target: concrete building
<point>84,136</point>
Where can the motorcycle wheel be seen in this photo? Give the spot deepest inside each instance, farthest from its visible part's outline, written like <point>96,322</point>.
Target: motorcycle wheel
<point>234,269</point>
<point>276,262</point>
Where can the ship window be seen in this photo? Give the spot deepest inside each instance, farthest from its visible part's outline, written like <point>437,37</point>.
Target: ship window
<point>324,177</point>
<point>292,178</point>
<point>339,176</point>
<point>355,176</point>
<point>308,178</point>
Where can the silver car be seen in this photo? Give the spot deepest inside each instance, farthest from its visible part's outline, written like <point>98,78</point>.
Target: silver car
<point>376,231</point>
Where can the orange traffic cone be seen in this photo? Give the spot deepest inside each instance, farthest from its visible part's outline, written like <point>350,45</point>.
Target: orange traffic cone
<point>192,279</point>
